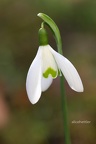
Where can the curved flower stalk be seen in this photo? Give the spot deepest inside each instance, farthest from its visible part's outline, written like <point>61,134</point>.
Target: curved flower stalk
<point>46,66</point>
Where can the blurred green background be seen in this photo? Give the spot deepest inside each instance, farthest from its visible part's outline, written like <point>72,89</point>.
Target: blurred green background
<point>20,121</point>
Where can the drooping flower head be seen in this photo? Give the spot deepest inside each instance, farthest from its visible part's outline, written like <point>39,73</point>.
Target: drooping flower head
<point>46,66</point>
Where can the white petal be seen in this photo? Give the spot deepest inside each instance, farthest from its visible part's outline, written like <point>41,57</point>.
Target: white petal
<point>33,81</point>
<point>45,83</point>
<point>69,71</point>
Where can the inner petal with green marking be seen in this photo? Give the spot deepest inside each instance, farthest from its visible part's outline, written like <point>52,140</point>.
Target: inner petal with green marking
<point>50,71</point>
<point>49,65</point>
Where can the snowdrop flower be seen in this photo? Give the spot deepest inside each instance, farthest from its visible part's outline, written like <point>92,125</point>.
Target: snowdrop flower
<point>46,66</point>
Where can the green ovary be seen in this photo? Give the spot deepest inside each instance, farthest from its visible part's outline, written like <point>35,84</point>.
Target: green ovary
<point>50,71</point>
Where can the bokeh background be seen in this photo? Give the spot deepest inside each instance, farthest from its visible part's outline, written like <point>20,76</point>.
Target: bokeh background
<point>20,121</point>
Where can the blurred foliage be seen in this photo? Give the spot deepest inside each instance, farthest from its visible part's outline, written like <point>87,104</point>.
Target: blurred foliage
<point>42,123</point>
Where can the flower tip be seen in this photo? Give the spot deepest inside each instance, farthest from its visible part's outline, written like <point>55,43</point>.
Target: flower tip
<point>33,100</point>
<point>82,89</point>
<point>79,89</point>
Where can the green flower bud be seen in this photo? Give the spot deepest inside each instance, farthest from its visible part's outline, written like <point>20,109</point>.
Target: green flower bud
<point>43,37</point>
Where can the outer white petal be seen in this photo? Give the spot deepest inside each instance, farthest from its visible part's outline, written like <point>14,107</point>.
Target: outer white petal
<point>45,83</point>
<point>69,71</point>
<point>33,81</point>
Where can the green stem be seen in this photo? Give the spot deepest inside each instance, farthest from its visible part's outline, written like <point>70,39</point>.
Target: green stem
<point>57,36</point>
<point>65,111</point>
